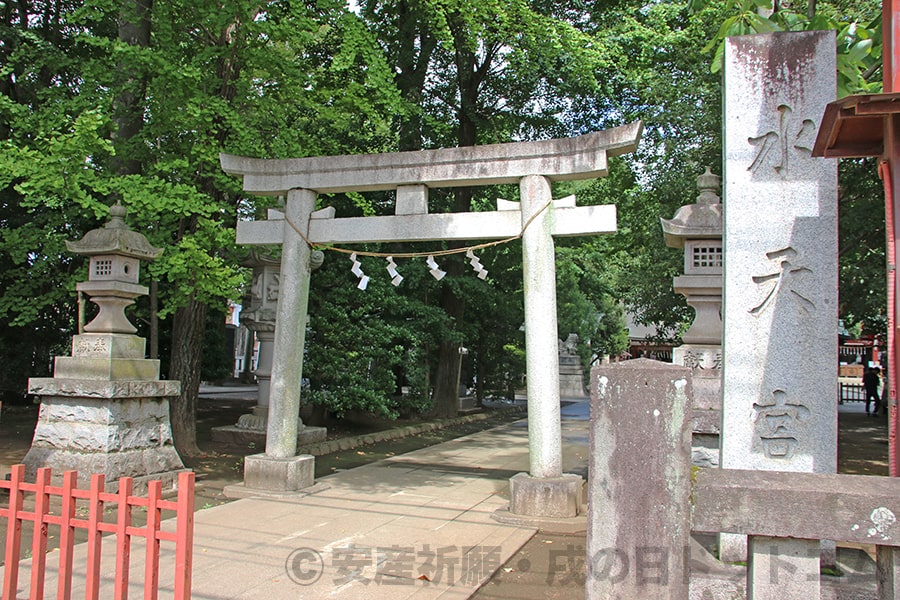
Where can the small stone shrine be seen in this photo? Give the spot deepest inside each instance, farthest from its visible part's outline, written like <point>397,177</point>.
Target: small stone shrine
<point>697,228</point>
<point>105,409</point>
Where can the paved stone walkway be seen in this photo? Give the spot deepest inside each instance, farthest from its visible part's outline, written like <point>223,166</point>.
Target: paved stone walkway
<point>417,525</point>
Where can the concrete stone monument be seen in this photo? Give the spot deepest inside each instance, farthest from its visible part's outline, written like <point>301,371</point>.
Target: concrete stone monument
<point>639,524</point>
<point>779,409</point>
<point>105,409</point>
<point>697,228</point>
<point>545,490</point>
<point>645,500</point>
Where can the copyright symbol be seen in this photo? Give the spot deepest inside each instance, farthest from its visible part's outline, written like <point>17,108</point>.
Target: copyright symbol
<point>304,566</point>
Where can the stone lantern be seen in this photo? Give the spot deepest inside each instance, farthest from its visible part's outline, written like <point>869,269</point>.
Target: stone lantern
<point>105,409</point>
<point>115,253</point>
<point>697,228</point>
<point>260,319</point>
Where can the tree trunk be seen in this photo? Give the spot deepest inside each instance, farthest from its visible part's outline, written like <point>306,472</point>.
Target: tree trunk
<point>188,326</point>
<point>446,379</point>
<point>189,322</point>
<point>446,390</point>
<point>416,45</point>
<point>154,319</point>
<point>446,385</point>
<point>128,108</point>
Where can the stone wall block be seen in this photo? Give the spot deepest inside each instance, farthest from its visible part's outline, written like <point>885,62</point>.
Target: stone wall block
<point>64,410</point>
<point>118,437</point>
<point>52,435</point>
<point>93,438</point>
<point>160,459</point>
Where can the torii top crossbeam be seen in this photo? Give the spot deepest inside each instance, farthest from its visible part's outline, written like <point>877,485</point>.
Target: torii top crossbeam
<point>581,157</point>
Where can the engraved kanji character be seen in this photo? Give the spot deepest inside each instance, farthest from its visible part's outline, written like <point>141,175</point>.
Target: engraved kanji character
<point>775,147</point>
<point>783,279</point>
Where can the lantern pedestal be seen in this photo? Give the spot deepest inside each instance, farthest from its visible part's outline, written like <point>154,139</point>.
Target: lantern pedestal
<point>105,411</point>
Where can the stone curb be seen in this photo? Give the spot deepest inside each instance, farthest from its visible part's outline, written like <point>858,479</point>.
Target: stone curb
<point>349,443</point>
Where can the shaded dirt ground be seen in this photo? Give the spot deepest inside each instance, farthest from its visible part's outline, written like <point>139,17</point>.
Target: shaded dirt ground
<point>222,463</point>
<point>549,566</point>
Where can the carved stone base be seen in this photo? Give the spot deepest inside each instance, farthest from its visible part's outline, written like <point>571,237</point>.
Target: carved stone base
<point>279,474</point>
<point>552,497</point>
<point>118,437</point>
<point>571,377</point>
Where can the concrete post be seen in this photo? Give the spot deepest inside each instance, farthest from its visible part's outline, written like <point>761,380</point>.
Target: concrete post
<point>887,571</point>
<point>783,568</point>
<point>541,357</point>
<point>639,507</point>
<point>545,492</point>
<point>780,300</point>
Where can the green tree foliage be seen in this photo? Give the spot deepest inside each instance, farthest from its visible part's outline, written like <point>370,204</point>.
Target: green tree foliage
<point>47,184</point>
<point>103,101</point>
<point>586,304</point>
<point>863,285</point>
<point>483,73</point>
<point>364,346</point>
<point>142,118</point>
<point>857,27</point>
<point>286,80</point>
<point>665,81</point>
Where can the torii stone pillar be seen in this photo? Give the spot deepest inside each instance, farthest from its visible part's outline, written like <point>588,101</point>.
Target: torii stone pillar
<point>545,491</point>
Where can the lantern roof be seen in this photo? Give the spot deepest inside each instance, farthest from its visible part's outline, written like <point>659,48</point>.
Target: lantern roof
<point>702,220</point>
<point>115,238</point>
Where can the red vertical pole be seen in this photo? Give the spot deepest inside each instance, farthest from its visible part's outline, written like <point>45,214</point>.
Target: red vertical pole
<point>66,535</point>
<point>151,566</point>
<point>184,538</point>
<point>889,172</point>
<point>39,534</point>
<point>123,540</point>
<point>13,532</point>
<point>887,176</point>
<point>95,516</point>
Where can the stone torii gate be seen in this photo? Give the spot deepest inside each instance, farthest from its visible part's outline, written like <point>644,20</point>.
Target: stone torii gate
<point>545,491</point>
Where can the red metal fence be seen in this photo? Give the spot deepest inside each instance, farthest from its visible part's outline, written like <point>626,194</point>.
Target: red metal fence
<point>69,494</point>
